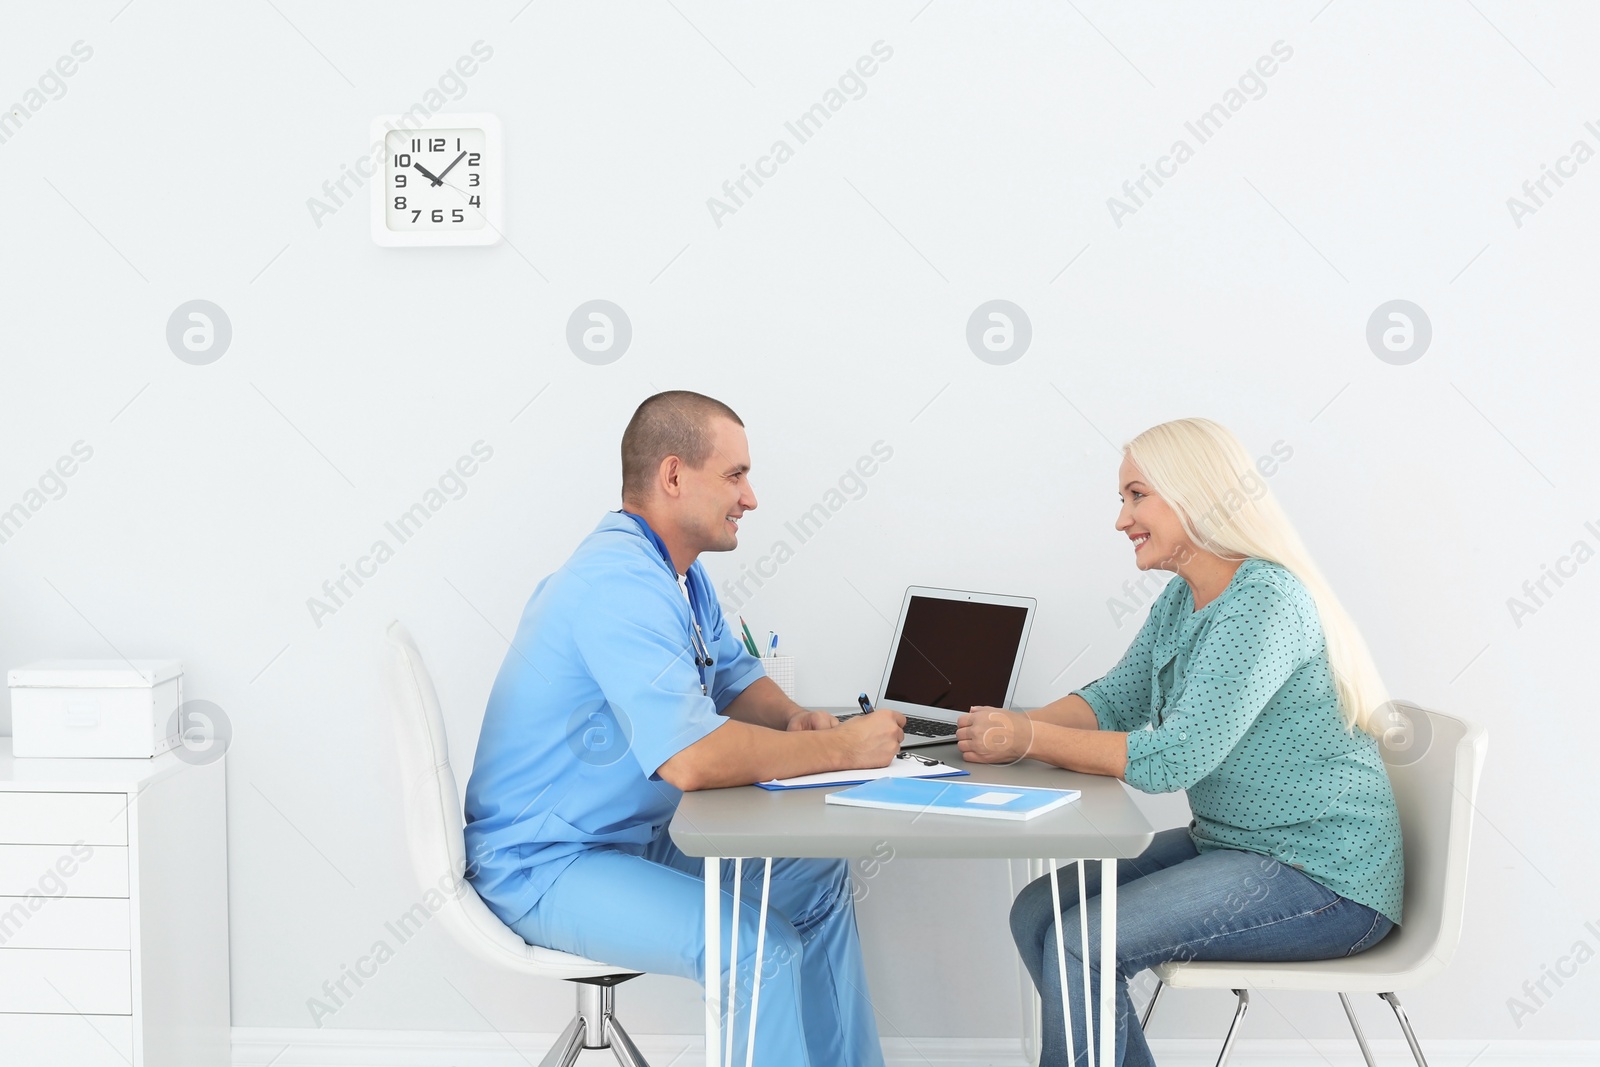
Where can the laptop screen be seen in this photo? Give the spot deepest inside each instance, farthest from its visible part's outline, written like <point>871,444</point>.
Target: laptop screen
<point>954,654</point>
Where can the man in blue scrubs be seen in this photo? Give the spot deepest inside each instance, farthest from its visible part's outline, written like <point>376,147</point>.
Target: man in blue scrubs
<point>625,687</point>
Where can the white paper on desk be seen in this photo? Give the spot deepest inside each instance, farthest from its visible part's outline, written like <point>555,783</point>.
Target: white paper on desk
<point>904,765</point>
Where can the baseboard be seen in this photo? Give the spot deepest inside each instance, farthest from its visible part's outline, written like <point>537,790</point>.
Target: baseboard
<point>259,1047</point>
<point>1175,1052</point>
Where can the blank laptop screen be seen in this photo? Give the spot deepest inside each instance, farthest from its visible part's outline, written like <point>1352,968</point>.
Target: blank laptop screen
<point>955,653</point>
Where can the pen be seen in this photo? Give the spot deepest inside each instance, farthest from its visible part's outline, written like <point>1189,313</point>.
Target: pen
<point>772,644</point>
<point>749,642</point>
<point>866,705</point>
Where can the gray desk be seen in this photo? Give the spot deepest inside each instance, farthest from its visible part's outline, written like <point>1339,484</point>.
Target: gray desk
<point>1103,824</point>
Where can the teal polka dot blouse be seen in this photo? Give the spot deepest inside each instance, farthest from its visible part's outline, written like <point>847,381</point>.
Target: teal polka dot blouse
<point>1236,704</point>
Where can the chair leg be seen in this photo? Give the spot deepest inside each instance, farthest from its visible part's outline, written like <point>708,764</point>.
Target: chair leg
<point>596,1027</point>
<point>1405,1027</point>
<point>622,1046</point>
<point>1233,1027</point>
<point>1355,1024</point>
<point>595,1003</point>
<point>1150,1008</point>
<point>564,1053</point>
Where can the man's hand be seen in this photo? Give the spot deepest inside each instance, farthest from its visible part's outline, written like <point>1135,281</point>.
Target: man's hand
<point>994,735</point>
<point>739,752</point>
<point>870,740</point>
<point>811,720</point>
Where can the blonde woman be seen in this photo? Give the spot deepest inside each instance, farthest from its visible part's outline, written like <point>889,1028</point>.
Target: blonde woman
<point>1249,687</point>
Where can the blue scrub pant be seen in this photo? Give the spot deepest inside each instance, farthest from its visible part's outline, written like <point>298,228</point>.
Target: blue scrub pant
<point>647,911</point>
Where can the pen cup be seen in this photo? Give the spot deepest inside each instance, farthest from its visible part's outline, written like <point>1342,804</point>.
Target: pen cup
<point>781,670</point>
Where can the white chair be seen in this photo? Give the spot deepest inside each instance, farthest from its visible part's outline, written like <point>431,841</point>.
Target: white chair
<point>434,828</point>
<point>1435,793</point>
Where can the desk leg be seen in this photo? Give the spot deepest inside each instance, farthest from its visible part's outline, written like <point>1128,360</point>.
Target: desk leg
<point>733,955</point>
<point>1108,961</point>
<point>713,963</point>
<point>1083,941</point>
<point>1028,996</point>
<point>1061,967</point>
<point>1031,1036</point>
<point>755,981</point>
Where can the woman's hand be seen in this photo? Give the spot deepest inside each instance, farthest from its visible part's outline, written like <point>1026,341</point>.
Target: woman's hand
<point>994,735</point>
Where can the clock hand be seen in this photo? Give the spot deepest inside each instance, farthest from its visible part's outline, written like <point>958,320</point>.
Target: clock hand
<point>451,167</point>
<point>428,174</point>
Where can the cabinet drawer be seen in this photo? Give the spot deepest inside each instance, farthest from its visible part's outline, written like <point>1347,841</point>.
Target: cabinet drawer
<point>81,1040</point>
<point>66,980</point>
<point>64,922</point>
<point>62,818</point>
<point>62,870</point>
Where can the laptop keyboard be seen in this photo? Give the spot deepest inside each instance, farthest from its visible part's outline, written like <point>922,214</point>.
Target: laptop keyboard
<point>929,728</point>
<point>914,725</point>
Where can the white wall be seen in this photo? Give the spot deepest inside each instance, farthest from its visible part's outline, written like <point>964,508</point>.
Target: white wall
<point>830,311</point>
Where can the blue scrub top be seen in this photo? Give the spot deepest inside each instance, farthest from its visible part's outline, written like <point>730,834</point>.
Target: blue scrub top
<point>597,691</point>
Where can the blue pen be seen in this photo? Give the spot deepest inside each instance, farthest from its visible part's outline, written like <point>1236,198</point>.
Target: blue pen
<point>772,645</point>
<point>866,705</point>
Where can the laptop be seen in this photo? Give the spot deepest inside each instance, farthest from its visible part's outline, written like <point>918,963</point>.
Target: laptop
<point>952,650</point>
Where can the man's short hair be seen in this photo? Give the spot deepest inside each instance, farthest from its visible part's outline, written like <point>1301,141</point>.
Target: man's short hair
<point>674,423</point>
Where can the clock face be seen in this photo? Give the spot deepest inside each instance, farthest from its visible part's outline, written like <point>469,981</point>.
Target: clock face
<point>438,180</point>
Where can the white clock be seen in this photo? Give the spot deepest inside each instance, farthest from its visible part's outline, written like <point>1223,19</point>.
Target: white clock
<point>440,184</point>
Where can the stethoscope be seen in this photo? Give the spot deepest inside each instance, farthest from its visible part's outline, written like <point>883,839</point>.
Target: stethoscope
<point>697,638</point>
<point>697,644</point>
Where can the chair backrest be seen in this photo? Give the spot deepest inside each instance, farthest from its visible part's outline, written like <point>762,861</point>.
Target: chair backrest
<point>433,817</point>
<point>1434,767</point>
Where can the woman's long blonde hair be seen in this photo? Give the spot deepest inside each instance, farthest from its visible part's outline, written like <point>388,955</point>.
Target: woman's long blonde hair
<point>1208,478</point>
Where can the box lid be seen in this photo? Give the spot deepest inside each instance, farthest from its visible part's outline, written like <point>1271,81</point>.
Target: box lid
<point>93,674</point>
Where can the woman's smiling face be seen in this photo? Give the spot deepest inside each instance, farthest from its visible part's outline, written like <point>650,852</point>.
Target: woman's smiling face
<point>1159,542</point>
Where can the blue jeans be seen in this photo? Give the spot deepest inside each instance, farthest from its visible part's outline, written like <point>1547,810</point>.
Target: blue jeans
<point>646,910</point>
<point>1173,903</point>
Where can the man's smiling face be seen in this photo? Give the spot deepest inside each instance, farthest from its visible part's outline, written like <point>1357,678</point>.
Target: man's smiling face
<point>718,493</point>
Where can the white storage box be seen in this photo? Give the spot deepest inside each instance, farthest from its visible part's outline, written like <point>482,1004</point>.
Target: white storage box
<point>88,707</point>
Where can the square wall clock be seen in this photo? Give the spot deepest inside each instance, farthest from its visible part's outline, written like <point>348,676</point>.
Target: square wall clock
<point>440,184</point>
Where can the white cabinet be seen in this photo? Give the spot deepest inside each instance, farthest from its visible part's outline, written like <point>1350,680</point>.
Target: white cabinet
<point>113,912</point>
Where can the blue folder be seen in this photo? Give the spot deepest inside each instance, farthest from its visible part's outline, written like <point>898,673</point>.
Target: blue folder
<point>935,797</point>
